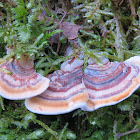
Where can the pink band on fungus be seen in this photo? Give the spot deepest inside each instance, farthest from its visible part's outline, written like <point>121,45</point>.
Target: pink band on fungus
<point>98,86</point>
<point>22,81</point>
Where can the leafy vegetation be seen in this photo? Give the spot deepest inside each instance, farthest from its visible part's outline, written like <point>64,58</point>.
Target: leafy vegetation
<point>34,27</point>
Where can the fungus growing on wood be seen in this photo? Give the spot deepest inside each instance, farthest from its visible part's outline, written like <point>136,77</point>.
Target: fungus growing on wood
<point>65,93</point>
<point>22,81</point>
<point>111,83</point>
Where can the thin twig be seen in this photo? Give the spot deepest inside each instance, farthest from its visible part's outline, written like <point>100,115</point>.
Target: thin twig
<point>65,13</point>
<point>126,133</point>
<point>131,116</point>
<point>59,25</point>
<point>132,7</point>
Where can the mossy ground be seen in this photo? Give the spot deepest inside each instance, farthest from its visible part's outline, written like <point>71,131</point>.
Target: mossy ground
<point>108,26</point>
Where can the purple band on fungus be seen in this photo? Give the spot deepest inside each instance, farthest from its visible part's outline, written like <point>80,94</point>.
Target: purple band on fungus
<point>62,81</point>
<point>122,83</point>
<point>22,81</point>
<point>100,80</point>
<point>58,98</point>
<point>97,87</point>
<point>65,93</point>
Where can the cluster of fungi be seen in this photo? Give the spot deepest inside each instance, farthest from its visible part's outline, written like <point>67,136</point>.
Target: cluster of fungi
<point>70,87</point>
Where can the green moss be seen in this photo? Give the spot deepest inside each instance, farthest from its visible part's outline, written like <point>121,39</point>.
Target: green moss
<point>110,27</point>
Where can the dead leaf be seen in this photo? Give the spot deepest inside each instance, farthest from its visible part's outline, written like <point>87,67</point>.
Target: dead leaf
<point>41,17</point>
<point>70,30</point>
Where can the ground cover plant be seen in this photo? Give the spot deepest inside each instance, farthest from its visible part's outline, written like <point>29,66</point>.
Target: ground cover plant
<point>39,28</point>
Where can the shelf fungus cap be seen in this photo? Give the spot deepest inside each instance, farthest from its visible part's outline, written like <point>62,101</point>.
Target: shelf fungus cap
<point>110,84</point>
<point>65,93</point>
<point>19,80</point>
<point>71,64</point>
<point>135,60</point>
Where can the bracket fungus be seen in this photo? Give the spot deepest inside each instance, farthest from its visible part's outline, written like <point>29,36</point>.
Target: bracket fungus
<point>98,86</point>
<point>23,82</point>
<point>65,93</point>
<point>111,83</point>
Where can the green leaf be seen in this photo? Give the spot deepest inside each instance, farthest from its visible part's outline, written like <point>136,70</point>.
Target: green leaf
<point>1,5</point>
<point>3,124</point>
<point>20,12</point>
<point>37,134</point>
<point>1,103</point>
<point>125,105</point>
<point>59,60</point>
<point>25,33</point>
<point>98,135</point>
<point>70,135</point>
